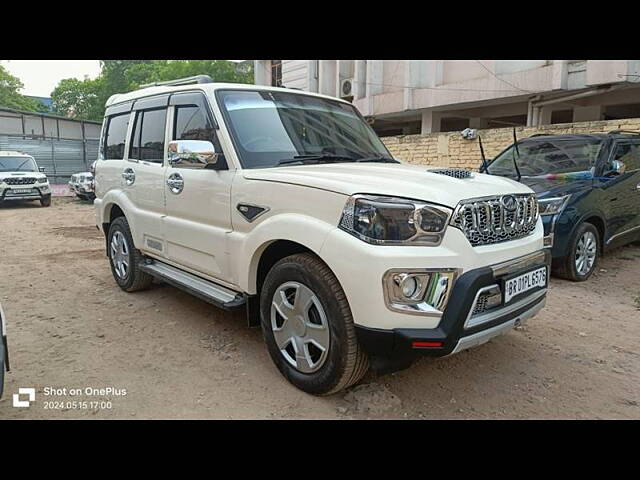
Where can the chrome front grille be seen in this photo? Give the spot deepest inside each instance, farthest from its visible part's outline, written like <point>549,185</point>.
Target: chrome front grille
<point>19,181</point>
<point>496,219</point>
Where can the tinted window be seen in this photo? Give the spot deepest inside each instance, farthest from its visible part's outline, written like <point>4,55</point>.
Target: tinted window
<point>134,149</point>
<point>17,164</point>
<point>628,154</point>
<point>192,123</point>
<point>116,134</point>
<point>541,157</point>
<point>152,135</point>
<point>272,126</point>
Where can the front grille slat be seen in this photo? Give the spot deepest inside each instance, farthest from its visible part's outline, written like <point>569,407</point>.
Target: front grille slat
<point>487,220</point>
<point>20,181</point>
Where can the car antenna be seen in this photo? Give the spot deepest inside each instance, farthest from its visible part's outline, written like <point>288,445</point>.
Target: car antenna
<point>515,163</point>
<point>485,165</point>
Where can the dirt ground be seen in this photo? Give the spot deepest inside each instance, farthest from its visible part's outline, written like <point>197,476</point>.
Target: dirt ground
<point>166,354</point>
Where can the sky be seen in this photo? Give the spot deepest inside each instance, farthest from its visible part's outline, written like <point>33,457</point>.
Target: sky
<point>40,77</point>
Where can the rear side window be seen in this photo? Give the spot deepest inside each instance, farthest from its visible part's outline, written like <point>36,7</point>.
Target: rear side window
<point>629,154</point>
<point>115,137</point>
<point>147,141</point>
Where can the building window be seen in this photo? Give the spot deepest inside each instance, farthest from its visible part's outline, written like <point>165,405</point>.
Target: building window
<point>276,73</point>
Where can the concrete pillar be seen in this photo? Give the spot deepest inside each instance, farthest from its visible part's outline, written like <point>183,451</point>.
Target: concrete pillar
<point>560,74</point>
<point>477,122</point>
<point>430,122</point>
<point>360,79</point>
<point>312,75</point>
<point>587,114</point>
<point>374,77</point>
<point>262,72</point>
<point>545,116</point>
<point>415,76</point>
<point>327,77</point>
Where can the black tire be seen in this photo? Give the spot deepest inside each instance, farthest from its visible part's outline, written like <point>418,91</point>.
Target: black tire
<point>567,267</point>
<point>346,362</point>
<point>46,201</point>
<point>134,279</point>
<point>80,196</point>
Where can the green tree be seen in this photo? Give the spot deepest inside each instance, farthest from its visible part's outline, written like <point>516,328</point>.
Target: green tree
<point>10,95</point>
<point>86,98</point>
<point>78,98</point>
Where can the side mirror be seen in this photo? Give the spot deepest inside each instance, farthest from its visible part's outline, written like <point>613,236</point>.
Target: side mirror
<point>92,168</point>
<point>41,169</point>
<point>616,167</point>
<point>192,154</point>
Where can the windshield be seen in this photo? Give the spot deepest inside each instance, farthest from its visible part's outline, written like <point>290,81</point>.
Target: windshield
<point>17,164</point>
<point>269,128</point>
<point>541,157</point>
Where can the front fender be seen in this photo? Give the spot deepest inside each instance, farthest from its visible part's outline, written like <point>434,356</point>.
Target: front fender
<point>299,228</point>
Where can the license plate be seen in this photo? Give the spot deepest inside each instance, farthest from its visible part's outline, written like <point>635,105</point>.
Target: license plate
<point>525,282</point>
<point>20,190</point>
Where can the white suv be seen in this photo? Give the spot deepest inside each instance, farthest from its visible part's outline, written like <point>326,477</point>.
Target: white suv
<point>22,179</point>
<point>287,204</point>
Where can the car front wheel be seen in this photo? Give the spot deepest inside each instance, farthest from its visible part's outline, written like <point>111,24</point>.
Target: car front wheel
<point>308,326</point>
<point>584,253</point>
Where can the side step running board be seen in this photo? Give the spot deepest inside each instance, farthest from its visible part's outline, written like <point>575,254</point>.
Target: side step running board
<point>206,290</point>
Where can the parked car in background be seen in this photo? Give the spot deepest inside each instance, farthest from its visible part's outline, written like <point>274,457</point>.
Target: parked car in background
<point>4,350</point>
<point>22,179</point>
<point>588,187</point>
<point>288,205</point>
<point>81,184</point>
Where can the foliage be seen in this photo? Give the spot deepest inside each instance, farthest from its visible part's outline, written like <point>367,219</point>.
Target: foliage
<point>11,97</point>
<point>85,99</point>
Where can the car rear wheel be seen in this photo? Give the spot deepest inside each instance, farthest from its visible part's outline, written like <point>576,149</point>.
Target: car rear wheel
<point>125,259</point>
<point>308,326</point>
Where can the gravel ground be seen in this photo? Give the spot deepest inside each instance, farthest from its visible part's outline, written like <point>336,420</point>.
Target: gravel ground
<point>164,354</point>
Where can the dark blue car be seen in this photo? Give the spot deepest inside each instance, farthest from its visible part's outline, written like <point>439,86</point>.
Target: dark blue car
<point>588,188</point>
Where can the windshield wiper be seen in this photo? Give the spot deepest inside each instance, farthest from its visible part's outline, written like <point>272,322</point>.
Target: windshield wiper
<point>380,159</point>
<point>320,158</point>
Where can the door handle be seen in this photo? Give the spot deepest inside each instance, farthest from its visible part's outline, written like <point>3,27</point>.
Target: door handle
<point>175,183</point>
<point>129,176</point>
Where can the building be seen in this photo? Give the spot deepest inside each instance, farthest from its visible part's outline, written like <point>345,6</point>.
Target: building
<point>425,96</point>
<point>63,146</point>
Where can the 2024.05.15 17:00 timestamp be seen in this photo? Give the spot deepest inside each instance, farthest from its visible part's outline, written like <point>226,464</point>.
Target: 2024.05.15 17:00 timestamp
<point>78,405</point>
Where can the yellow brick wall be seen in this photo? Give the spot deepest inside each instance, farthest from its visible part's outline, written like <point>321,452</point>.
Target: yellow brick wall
<point>451,150</point>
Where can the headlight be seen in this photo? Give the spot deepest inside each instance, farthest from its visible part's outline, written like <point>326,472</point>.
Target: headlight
<point>42,180</point>
<point>551,206</point>
<point>394,221</point>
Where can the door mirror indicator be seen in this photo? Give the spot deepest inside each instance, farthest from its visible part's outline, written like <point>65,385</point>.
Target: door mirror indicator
<point>192,154</point>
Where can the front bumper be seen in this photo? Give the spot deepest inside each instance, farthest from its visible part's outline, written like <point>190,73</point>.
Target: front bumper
<point>397,348</point>
<point>37,193</point>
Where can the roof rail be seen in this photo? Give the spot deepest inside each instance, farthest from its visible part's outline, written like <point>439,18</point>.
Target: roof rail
<point>630,132</point>
<point>181,81</point>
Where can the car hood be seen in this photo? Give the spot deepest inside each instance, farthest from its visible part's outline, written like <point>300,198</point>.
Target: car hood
<point>551,186</point>
<point>401,180</point>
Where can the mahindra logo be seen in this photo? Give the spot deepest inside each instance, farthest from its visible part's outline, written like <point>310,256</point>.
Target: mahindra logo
<point>509,202</point>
